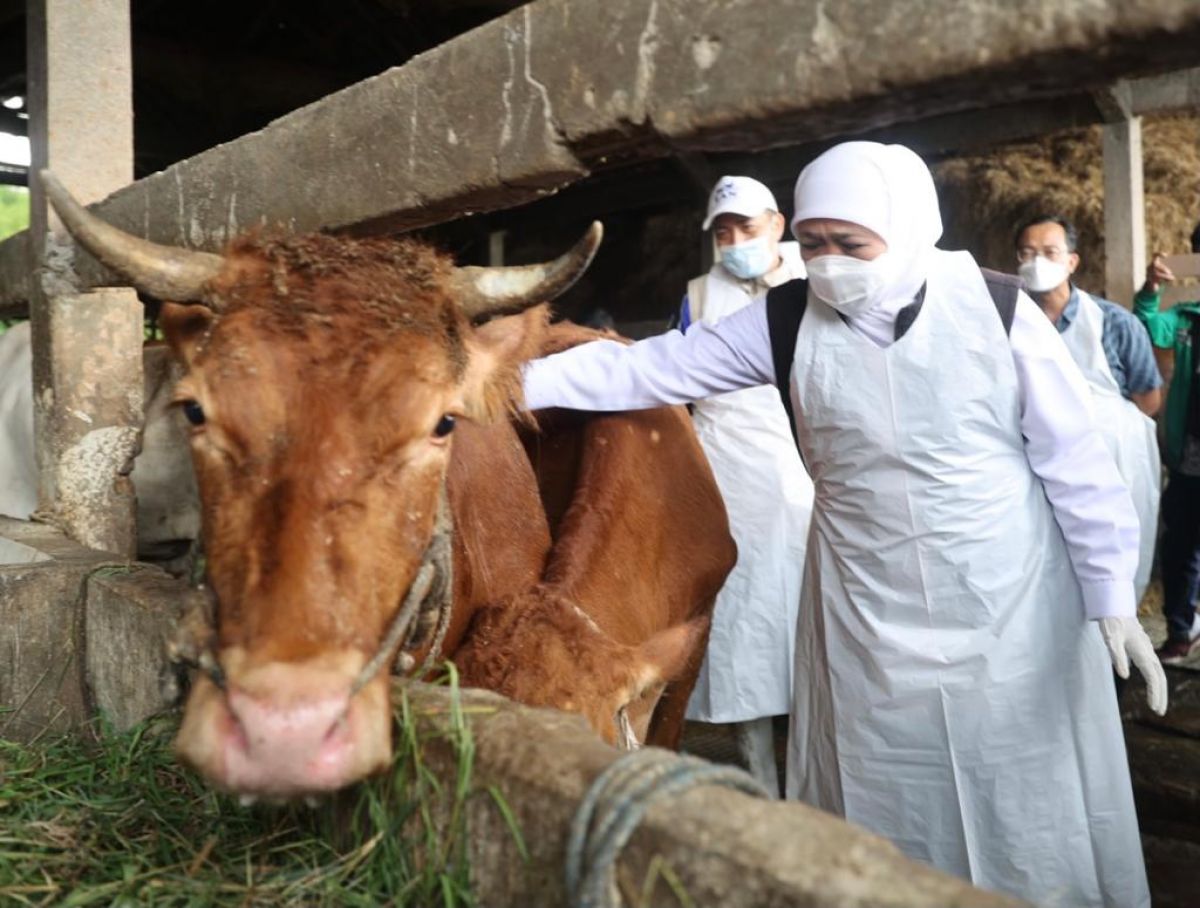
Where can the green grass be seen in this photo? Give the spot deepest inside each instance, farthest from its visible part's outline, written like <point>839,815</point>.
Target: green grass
<point>14,210</point>
<point>114,820</point>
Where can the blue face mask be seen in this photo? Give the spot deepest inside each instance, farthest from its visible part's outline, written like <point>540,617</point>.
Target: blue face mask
<point>747,260</point>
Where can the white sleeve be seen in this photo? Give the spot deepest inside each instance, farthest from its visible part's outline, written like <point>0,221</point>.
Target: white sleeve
<point>1090,500</point>
<point>671,368</point>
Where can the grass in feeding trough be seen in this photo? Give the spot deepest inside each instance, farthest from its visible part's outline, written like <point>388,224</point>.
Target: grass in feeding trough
<point>115,820</point>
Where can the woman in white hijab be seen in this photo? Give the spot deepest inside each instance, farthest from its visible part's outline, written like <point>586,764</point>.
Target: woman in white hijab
<point>972,548</point>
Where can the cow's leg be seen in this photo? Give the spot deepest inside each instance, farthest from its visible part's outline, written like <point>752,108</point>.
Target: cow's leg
<point>756,744</point>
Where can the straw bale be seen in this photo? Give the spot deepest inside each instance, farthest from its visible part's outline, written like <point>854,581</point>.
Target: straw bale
<point>985,196</point>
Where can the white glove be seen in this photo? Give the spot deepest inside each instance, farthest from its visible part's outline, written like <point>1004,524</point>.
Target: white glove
<point>1126,640</point>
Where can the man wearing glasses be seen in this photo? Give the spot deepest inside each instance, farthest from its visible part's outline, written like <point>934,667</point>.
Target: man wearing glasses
<point>1112,349</point>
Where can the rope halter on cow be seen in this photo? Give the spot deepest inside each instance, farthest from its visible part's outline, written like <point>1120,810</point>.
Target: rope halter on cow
<point>428,601</point>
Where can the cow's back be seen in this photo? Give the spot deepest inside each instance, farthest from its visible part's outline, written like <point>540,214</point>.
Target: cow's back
<point>645,542</point>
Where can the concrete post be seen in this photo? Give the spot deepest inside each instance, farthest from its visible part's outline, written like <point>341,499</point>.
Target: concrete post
<point>496,240</point>
<point>87,360</point>
<point>1124,210</point>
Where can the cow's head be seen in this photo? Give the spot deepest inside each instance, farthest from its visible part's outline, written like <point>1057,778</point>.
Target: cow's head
<point>323,379</point>
<point>541,649</point>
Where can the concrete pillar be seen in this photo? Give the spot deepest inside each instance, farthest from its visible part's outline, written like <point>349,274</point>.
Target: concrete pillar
<point>496,241</point>
<point>1124,210</point>
<point>87,361</point>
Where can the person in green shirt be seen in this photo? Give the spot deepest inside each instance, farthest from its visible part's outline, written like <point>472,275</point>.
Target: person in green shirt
<point>1178,330</point>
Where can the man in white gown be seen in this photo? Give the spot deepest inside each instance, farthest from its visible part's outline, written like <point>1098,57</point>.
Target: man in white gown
<point>970,567</point>
<point>746,678</point>
<point>1112,350</point>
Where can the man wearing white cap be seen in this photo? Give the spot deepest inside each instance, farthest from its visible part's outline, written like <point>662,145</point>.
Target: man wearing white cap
<point>746,678</point>
<point>970,567</point>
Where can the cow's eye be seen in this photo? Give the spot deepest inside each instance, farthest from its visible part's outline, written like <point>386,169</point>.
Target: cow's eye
<point>444,426</point>
<point>194,412</point>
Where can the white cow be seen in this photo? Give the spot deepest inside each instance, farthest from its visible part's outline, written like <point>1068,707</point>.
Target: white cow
<point>168,511</point>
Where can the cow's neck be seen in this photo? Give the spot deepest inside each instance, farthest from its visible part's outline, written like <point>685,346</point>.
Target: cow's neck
<point>501,538</point>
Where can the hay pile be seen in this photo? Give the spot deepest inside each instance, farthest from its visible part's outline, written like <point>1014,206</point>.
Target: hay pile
<point>118,822</point>
<point>985,196</point>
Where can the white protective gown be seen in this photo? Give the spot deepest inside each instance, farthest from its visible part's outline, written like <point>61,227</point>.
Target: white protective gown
<point>747,671</point>
<point>1128,432</point>
<point>950,694</point>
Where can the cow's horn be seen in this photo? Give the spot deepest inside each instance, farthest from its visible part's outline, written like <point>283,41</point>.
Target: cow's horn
<point>491,291</point>
<point>164,272</point>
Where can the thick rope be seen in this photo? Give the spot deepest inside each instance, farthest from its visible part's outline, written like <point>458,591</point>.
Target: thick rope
<point>399,628</point>
<point>441,556</point>
<point>614,806</point>
<point>193,643</point>
<point>429,600</point>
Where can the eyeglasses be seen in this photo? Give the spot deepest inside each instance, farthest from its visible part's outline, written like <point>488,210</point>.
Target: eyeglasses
<point>1053,253</point>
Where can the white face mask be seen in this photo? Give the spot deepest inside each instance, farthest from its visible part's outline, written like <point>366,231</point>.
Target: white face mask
<point>851,286</point>
<point>1041,274</point>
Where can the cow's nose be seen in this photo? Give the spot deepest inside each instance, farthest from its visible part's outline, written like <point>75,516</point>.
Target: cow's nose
<point>294,745</point>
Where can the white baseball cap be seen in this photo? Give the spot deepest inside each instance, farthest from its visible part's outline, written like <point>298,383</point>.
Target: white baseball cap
<point>739,195</point>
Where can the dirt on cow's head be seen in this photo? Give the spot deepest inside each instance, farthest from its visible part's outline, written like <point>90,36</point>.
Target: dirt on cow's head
<point>542,649</point>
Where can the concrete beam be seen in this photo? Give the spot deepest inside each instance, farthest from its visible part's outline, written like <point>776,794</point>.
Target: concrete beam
<point>724,847</point>
<point>526,104</point>
<point>1172,92</point>
<point>87,360</point>
<point>1115,102</point>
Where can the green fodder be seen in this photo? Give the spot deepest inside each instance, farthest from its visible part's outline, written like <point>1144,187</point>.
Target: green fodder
<point>115,820</point>
<point>984,197</point>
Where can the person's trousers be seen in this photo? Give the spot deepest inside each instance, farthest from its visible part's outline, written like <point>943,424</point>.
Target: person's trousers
<point>1179,553</point>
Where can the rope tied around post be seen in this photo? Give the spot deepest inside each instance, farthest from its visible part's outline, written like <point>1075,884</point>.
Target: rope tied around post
<point>615,804</point>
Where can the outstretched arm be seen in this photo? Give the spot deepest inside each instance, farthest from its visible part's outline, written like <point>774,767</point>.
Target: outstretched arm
<point>670,368</point>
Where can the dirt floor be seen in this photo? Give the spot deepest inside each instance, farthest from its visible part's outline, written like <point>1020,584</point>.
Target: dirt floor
<point>1164,759</point>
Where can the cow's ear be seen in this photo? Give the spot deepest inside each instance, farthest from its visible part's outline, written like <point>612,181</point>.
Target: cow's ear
<point>666,655</point>
<point>497,350</point>
<point>184,327</point>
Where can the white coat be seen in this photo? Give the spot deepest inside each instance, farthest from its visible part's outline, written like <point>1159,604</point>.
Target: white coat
<point>950,693</point>
<point>747,671</point>
<point>1128,432</point>
<point>968,521</point>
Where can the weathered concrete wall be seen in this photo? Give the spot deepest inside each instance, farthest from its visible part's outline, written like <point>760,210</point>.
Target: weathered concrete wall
<point>539,98</point>
<point>128,619</point>
<point>80,632</point>
<point>42,575</point>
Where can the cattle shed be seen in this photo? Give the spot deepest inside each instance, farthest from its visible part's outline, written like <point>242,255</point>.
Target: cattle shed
<point>496,142</point>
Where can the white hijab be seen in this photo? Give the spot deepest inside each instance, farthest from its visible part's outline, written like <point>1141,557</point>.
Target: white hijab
<point>887,189</point>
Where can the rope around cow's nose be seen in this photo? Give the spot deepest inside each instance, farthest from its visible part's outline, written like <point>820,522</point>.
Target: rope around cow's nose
<point>614,806</point>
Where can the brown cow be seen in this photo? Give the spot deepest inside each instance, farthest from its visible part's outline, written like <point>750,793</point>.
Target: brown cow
<point>627,590</point>
<point>324,379</point>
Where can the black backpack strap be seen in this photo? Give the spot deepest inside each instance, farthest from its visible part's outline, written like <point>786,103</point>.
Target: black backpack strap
<point>1004,289</point>
<point>785,309</point>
